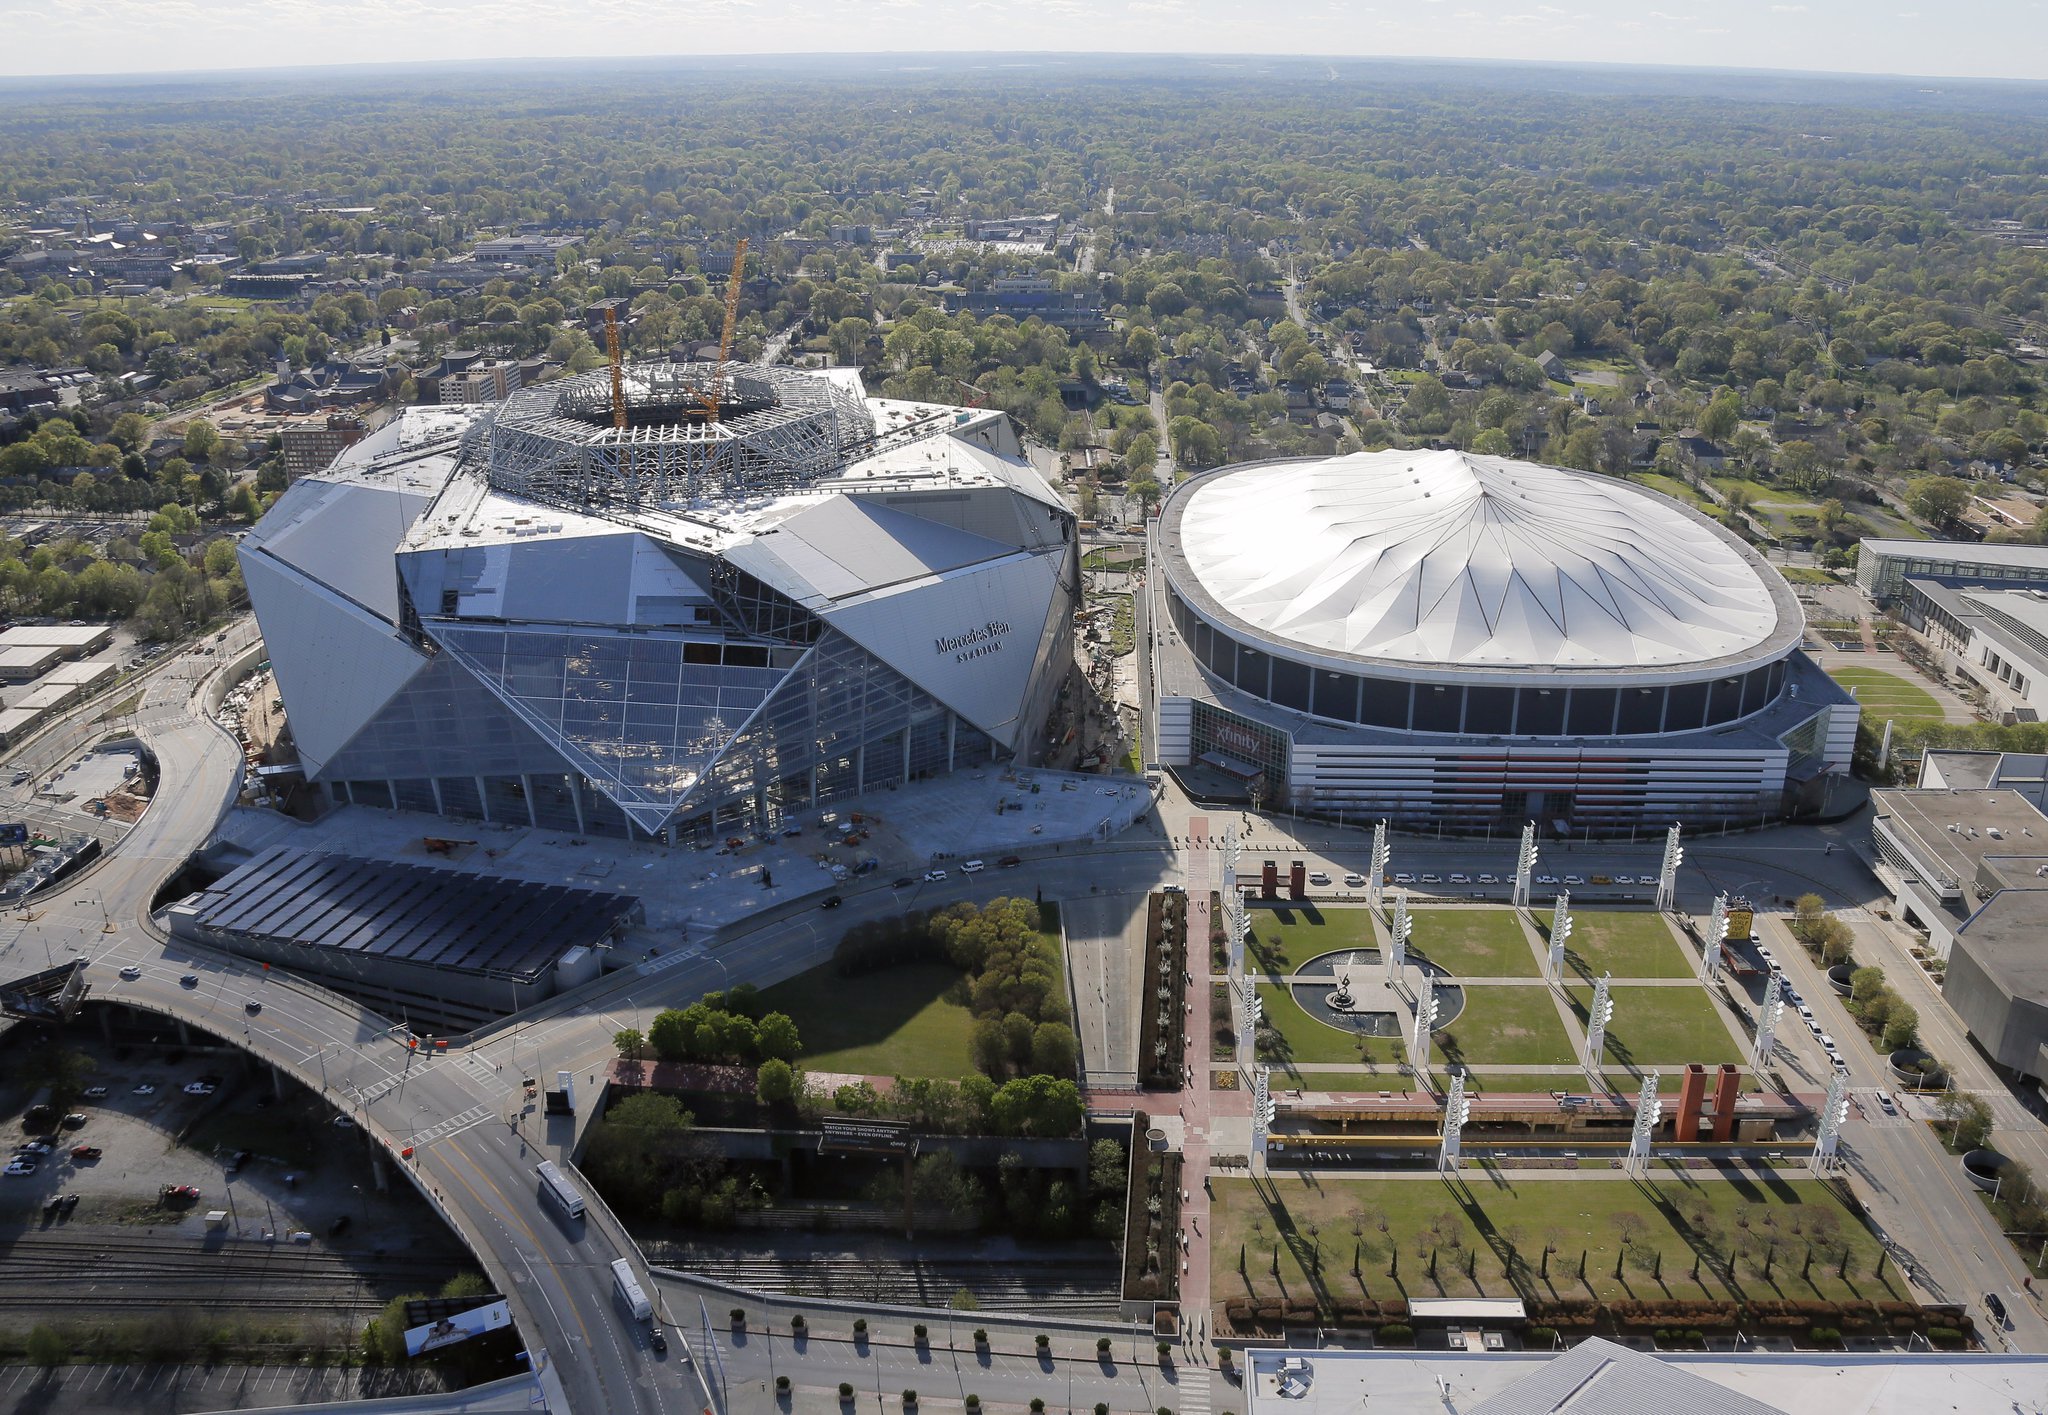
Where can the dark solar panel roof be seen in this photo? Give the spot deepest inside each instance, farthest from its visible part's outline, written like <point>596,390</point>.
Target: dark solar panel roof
<point>437,918</point>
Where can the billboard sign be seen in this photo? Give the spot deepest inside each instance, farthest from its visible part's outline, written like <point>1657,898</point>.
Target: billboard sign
<point>457,1326</point>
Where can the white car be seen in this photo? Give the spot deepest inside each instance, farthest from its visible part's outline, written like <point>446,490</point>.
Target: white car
<point>342,1122</point>
<point>33,1147</point>
<point>95,1093</point>
<point>1884,1103</point>
<point>145,1089</point>
<point>1432,879</point>
<point>1827,1043</point>
<point>1489,879</point>
<point>1404,878</point>
<point>1765,953</point>
<point>131,972</point>
<point>934,876</point>
<point>198,1088</point>
<point>1318,877</point>
<point>1546,879</point>
<point>1573,879</point>
<point>1461,879</point>
<point>17,1168</point>
<point>1356,881</point>
<point>971,867</point>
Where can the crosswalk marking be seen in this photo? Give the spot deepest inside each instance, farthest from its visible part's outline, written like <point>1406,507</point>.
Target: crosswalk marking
<point>1194,1391</point>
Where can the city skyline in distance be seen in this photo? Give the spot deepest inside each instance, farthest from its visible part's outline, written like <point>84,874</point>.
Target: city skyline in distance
<point>1902,38</point>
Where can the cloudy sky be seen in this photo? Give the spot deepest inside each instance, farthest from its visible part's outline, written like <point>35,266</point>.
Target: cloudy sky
<point>1955,38</point>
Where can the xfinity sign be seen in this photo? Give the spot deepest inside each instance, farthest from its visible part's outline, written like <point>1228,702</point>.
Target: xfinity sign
<point>983,639</point>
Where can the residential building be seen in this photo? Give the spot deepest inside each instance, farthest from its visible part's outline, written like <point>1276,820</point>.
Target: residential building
<point>310,446</point>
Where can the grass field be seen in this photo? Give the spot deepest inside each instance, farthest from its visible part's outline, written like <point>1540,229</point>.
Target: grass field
<point>894,1023</point>
<point>1506,1027</point>
<point>1662,1026</point>
<point>1474,943</point>
<point>1303,1039</point>
<point>1628,943</point>
<point>1478,1237</point>
<point>1672,487</point>
<point>1887,695</point>
<point>1284,939</point>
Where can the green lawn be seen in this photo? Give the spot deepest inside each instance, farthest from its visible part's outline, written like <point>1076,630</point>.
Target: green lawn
<point>898,1022</point>
<point>1629,943</point>
<point>1283,939</point>
<point>1474,943</point>
<point>1807,575</point>
<point>1304,1039</point>
<point>1506,1027</point>
<point>1662,1026</point>
<point>1473,1236</point>
<point>1672,487</point>
<point>1888,695</point>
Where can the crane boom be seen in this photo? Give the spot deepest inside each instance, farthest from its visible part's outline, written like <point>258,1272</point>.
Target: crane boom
<point>732,309</point>
<point>611,351</point>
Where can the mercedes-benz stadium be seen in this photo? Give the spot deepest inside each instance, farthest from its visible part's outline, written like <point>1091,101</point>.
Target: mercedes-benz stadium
<point>669,623</point>
<point>1466,642</point>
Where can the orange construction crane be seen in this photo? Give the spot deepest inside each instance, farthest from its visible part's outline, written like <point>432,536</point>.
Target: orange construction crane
<point>732,310</point>
<point>611,350</point>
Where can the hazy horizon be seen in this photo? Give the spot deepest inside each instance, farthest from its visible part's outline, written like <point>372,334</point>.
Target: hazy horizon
<point>1898,39</point>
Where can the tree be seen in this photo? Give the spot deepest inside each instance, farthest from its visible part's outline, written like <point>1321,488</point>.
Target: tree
<point>47,1346</point>
<point>1053,1049</point>
<point>1837,939</point>
<point>1902,1028</point>
<point>669,1035</point>
<point>1147,492</point>
<point>1037,1105</point>
<point>202,440</point>
<point>777,1082</point>
<point>630,1043</point>
<point>1937,500</point>
<point>130,432</point>
<point>1865,983</point>
<point>778,1039</point>
<point>1721,417</point>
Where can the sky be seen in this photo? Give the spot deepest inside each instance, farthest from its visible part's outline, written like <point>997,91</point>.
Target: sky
<point>1938,38</point>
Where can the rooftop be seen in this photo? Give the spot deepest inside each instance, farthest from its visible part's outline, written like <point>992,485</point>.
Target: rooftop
<point>410,913</point>
<point>1446,559</point>
<point>1599,1377</point>
<point>1969,551</point>
<point>1961,831</point>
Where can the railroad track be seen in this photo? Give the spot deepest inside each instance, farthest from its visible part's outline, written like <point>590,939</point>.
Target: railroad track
<point>1060,1288</point>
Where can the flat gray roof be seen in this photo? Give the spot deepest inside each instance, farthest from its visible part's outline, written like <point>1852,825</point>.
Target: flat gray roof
<point>1961,829</point>
<point>409,913</point>
<point>2004,937</point>
<point>1970,551</point>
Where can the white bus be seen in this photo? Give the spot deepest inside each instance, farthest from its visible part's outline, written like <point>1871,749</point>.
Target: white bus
<point>629,1291</point>
<point>559,1189</point>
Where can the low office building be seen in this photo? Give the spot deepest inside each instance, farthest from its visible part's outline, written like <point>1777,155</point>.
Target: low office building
<point>1997,979</point>
<point>311,445</point>
<point>1943,853</point>
<point>1992,636</point>
<point>437,948</point>
<point>24,663</point>
<point>69,640</point>
<point>1884,566</point>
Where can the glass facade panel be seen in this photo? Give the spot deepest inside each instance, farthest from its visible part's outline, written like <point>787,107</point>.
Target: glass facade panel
<point>459,797</point>
<point>1592,710</point>
<point>1726,703</point>
<point>1687,710</point>
<point>1489,712</point>
<point>1336,697</point>
<point>1290,684</point>
<point>1642,710</point>
<point>1439,708</point>
<point>1539,712</point>
<point>413,794</point>
<point>1385,703</point>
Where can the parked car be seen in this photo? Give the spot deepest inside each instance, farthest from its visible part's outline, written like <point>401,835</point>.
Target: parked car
<point>1355,881</point>
<point>1432,879</point>
<point>1572,881</point>
<point>342,1122</point>
<point>17,1168</point>
<point>33,1147</point>
<point>1319,877</point>
<point>340,1225</point>
<point>95,1093</point>
<point>198,1088</point>
<point>1403,877</point>
<point>145,1089</point>
<point>85,1152</point>
<point>1546,879</point>
<point>1461,879</point>
<point>75,1119</point>
<point>178,1191</point>
<point>1489,879</point>
<point>241,1157</point>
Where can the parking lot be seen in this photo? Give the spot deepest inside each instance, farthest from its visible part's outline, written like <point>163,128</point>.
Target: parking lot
<point>300,1173</point>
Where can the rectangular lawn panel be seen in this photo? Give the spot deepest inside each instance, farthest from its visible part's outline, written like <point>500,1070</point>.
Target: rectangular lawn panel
<point>1888,695</point>
<point>1285,938</point>
<point>1474,943</point>
<point>1504,1026</point>
<point>897,1022</point>
<point>1629,943</point>
<point>1658,1027</point>
<point>1689,1239</point>
<point>1304,1040</point>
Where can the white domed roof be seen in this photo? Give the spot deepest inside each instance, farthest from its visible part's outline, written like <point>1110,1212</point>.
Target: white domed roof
<point>1447,558</point>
